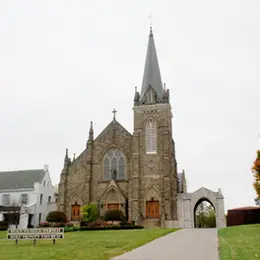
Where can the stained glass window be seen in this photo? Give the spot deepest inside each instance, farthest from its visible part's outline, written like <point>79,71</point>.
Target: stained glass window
<point>151,137</point>
<point>114,165</point>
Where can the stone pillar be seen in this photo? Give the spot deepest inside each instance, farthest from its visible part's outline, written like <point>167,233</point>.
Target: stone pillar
<point>166,172</point>
<point>220,213</point>
<point>87,196</point>
<point>1,216</point>
<point>135,179</point>
<point>62,191</point>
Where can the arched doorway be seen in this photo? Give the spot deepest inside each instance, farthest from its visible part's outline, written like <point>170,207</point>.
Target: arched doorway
<point>204,214</point>
<point>75,212</point>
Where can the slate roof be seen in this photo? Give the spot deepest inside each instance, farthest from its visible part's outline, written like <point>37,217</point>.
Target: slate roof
<point>152,75</point>
<point>20,179</point>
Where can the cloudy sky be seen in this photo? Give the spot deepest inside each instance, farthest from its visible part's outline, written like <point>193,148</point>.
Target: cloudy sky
<point>65,63</point>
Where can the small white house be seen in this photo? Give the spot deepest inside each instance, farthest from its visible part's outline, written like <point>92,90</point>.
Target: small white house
<point>26,197</point>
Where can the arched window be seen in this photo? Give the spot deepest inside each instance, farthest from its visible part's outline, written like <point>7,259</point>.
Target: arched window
<point>150,97</point>
<point>114,165</point>
<point>151,137</point>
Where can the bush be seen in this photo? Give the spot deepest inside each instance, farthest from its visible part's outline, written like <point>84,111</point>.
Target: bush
<point>3,225</point>
<point>97,223</point>
<point>89,213</point>
<point>114,215</point>
<point>126,223</point>
<point>56,216</point>
<point>55,224</point>
<point>58,224</point>
<point>71,229</point>
<point>44,224</point>
<point>110,227</point>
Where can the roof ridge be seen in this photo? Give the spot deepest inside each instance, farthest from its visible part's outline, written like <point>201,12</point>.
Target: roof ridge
<point>22,170</point>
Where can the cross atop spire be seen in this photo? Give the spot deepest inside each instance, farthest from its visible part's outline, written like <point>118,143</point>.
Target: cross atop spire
<point>151,20</point>
<point>114,112</point>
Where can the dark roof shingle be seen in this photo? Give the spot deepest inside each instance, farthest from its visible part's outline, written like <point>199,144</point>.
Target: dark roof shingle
<point>11,180</point>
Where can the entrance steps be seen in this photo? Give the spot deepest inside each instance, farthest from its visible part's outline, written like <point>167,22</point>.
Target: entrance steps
<point>151,223</point>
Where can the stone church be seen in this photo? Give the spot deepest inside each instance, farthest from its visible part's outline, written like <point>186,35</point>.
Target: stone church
<point>135,172</point>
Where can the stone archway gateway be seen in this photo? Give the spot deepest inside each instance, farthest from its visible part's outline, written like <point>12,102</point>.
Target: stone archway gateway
<point>187,203</point>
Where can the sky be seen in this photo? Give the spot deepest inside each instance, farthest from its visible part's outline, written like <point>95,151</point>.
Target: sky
<point>64,63</point>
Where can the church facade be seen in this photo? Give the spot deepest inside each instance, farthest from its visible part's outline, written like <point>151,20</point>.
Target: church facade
<point>134,172</point>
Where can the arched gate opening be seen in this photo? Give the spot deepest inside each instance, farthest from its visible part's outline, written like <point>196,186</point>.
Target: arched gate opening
<point>204,214</point>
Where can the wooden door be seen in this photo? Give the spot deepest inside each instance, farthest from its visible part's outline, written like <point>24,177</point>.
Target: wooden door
<point>112,206</point>
<point>152,209</point>
<point>75,212</point>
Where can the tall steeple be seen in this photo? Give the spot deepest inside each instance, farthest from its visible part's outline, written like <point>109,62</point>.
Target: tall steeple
<point>152,75</point>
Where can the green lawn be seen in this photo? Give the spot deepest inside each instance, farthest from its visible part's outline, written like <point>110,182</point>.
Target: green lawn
<point>91,245</point>
<point>3,234</point>
<point>240,242</point>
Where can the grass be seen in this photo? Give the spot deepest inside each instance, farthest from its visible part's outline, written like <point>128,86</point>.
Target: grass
<point>91,245</point>
<point>3,234</point>
<point>240,242</point>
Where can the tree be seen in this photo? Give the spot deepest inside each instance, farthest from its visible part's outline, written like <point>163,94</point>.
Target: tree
<point>56,216</point>
<point>256,172</point>
<point>89,213</point>
<point>205,215</point>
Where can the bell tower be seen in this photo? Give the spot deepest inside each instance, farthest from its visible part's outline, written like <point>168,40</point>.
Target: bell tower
<point>153,182</point>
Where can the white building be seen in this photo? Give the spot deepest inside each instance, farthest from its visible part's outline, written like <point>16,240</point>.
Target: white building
<point>26,197</point>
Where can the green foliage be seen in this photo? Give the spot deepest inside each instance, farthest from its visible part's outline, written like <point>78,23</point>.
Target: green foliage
<point>3,225</point>
<point>205,216</point>
<point>256,172</point>
<point>114,215</point>
<point>56,216</point>
<point>89,213</point>
<point>111,227</point>
<point>71,229</point>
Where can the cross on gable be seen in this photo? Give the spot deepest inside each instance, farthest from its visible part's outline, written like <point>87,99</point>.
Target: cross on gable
<point>114,112</point>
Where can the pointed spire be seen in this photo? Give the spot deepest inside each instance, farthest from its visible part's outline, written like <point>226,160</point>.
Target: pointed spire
<point>151,32</point>
<point>67,160</point>
<point>152,75</point>
<point>66,155</point>
<point>91,132</point>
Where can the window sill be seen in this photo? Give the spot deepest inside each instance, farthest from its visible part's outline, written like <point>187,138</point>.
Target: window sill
<point>151,152</point>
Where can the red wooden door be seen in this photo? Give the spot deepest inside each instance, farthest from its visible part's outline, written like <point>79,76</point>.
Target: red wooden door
<point>152,209</point>
<point>75,212</point>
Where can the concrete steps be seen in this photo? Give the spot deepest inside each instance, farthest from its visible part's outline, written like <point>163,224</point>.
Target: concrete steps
<point>151,223</point>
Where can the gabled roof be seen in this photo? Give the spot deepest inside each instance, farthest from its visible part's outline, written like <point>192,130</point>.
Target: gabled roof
<point>152,75</point>
<point>113,124</point>
<point>112,185</point>
<point>25,179</point>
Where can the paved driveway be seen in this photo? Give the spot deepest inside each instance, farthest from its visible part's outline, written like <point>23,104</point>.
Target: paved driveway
<point>186,244</point>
